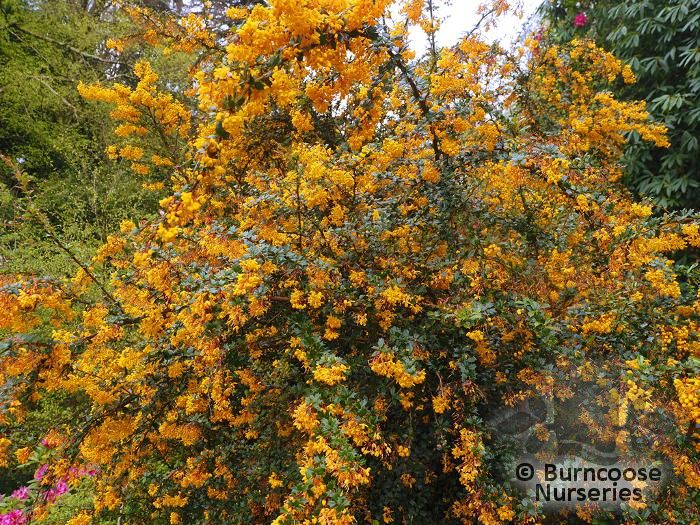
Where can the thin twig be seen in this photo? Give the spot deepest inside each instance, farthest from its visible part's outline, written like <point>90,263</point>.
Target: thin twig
<point>65,101</point>
<point>48,228</point>
<point>64,45</point>
<point>417,96</point>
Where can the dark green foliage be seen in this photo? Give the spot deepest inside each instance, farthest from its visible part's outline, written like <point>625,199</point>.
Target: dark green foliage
<point>661,42</point>
<point>55,137</point>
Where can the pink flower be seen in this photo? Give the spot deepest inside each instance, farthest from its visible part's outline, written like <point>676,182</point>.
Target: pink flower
<point>41,472</point>
<point>60,489</point>
<point>79,473</point>
<point>49,442</point>
<point>21,493</point>
<point>580,19</point>
<point>15,517</point>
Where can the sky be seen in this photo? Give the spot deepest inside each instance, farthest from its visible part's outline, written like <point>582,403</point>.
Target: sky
<point>461,18</point>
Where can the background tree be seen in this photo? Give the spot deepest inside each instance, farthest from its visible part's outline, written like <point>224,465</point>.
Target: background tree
<point>46,49</point>
<point>659,40</point>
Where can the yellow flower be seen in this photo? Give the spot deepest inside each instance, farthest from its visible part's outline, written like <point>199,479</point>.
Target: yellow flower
<point>4,445</point>
<point>275,481</point>
<point>80,519</point>
<point>297,300</point>
<point>22,455</point>
<point>331,375</point>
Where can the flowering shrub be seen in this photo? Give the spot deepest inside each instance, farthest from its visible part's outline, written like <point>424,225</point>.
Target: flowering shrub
<point>361,254</point>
